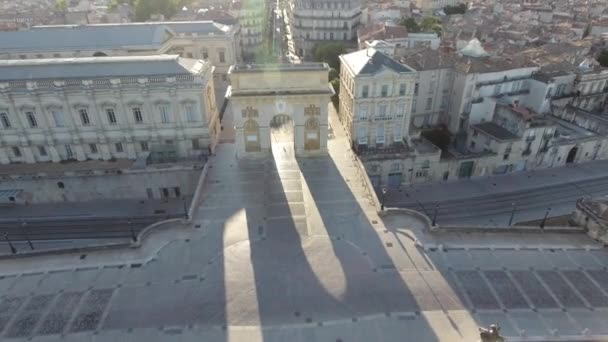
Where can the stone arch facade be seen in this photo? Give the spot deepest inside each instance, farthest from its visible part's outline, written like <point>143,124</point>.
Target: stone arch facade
<point>263,93</point>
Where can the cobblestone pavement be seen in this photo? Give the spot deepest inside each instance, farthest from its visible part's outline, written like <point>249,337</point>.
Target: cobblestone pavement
<point>296,246</point>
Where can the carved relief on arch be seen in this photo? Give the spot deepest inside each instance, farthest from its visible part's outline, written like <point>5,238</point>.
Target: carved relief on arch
<point>312,110</point>
<point>251,134</point>
<point>249,112</point>
<point>312,137</point>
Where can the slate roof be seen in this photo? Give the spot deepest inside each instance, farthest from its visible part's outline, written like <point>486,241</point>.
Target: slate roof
<point>429,59</point>
<point>381,31</point>
<point>102,36</point>
<point>493,130</point>
<point>95,67</point>
<point>370,61</point>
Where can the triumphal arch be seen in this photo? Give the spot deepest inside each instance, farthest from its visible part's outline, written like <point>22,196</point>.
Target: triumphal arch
<point>263,97</point>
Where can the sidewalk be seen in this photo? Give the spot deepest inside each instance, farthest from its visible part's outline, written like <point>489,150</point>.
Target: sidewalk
<point>518,181</point>
<point>101,208</point>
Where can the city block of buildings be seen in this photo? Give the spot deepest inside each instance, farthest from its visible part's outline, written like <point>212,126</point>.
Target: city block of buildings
<point>493,115</point>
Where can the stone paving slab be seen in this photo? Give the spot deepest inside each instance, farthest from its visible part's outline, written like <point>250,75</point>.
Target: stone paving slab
<point>58,318</point>
<point>536,292</point>
<point>562,291</point>
<point>506,290</point>
<point>28,317</point>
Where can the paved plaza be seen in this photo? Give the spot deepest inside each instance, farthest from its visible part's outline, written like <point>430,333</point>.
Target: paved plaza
<point>286,249</point>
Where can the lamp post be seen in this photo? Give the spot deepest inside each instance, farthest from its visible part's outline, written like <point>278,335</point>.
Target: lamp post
<point>13,250</point>
<point>383,199</point>
<point>435,214</point>
<point>514,207</point>
<point>185,209</point>
<point>133,236</point>
<point>542,224</point>
<point>27,235</point>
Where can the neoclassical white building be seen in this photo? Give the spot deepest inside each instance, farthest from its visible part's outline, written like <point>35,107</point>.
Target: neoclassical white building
<point>207,40</point>
<point>106,108</point>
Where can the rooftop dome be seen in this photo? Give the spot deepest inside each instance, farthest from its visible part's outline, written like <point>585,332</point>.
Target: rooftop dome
<point>474,49</point>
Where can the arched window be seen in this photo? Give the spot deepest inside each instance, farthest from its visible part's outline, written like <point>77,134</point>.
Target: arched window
<point>99,54</point>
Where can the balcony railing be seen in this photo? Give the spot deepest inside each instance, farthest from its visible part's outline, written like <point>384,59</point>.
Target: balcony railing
<point>502,80</point>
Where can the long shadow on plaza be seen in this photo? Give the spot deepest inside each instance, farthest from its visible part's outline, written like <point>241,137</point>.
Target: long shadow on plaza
<point>318,279</point>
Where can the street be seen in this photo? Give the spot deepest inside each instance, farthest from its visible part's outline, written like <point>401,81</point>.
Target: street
<point>492,200</point>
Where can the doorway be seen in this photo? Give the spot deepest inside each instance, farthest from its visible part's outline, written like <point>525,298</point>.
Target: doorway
<point>571,155</point>
<point>282,137</point>
<point>466,169</point>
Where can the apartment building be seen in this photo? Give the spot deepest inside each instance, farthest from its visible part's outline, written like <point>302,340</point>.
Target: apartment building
<point>315,22</point>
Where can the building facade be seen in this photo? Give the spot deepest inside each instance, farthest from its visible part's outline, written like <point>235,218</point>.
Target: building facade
<point>296,93</point>
<point>252,17</point>
<point>207,40</point>
<point>376,95</point>
<point>315,22</point>
<point>106,108</point>
<point>433,87</point>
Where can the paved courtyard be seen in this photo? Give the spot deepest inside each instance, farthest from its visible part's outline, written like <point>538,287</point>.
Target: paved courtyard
<point>292,249</point>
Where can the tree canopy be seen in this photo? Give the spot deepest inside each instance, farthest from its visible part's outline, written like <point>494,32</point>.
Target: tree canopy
<point>431,24</point>
<point>411,25</point>
<point>603,58</point>
<point>61,5</point>
<point>458,9</point>
<point>114,3</point>
<point>144,9</point>
<point>329,53</point>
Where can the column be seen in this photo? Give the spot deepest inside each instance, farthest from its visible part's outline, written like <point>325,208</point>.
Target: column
<point>264,138</point>
<point>53,153</point>
<point>28,155</point>
<point>4,159</point>
<point>130,148</point>
<point>106,154</point>
<point>240,141</point>
<point>298,137</point>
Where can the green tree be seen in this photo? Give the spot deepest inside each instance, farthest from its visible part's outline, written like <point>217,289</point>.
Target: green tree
<point>603,58</point>
<point>411,25</point>
<point>144,9</point>
<point>431,24</point>
<point>263,55</point>
<point>439,136</point>
<point>114,3</point>
<point>61,5</point>
<point>458,9</point>
<point>329,53</point>
<point>335,83</point>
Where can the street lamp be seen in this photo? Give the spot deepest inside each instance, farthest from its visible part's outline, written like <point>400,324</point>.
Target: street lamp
<point>13,250</point>
<point>383,199</point>
<point>185,209</point>
<point>27,235</point>
<point>435,214</point>
<point>512,213</point>
<point>542,224</point>
<point>133,236</point>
